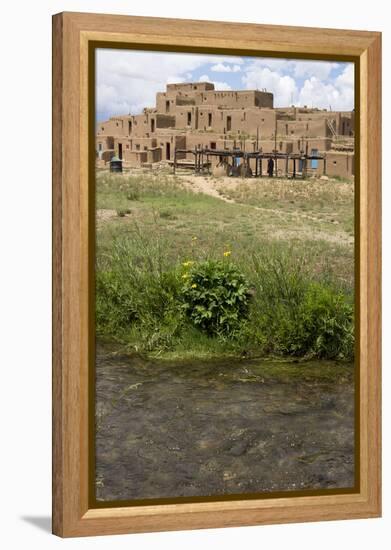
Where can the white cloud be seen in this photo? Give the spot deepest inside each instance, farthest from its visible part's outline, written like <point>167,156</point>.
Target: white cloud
<point>223,68</point>
<point>320,69</point>
<point>336,93</point>
<point>221,85</point>
<point>218,85</point>
<point>302,83</point>
<point>270,62</point>
<point>316,93</point>
<point>127,81</point>
<point>296,67</point>
<point>282,86</point>
<point>346,78</point>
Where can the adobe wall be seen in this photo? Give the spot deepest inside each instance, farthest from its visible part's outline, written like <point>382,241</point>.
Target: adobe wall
<point>135,159</point>
<point>165,104</point>
<point>235,99</point>
<point>190,86</point>
<point>113,127</point>
<point>226,121</point>
<point>310,128</point>
<point>238,121</point>
<point>103,143</point>
<point>340,164</point>
<point>164,121</point>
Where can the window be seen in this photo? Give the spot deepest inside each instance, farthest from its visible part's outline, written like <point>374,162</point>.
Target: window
<point>167,106</point>
<point>229,122</point>
<point>129,127</point>
<point>152,124</point>
<point>137,147</point>
<point>209,119</point>
<point>189,119</point>
<point>99,147</point>
<point>213,145</point>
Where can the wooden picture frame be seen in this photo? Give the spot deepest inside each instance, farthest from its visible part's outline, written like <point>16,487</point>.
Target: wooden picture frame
<point>73,34</point>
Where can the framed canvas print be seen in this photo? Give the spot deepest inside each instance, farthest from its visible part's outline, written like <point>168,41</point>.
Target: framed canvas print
<point>216,298</point>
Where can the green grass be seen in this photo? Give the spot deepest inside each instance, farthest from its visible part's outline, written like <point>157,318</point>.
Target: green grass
<point>306,230</point>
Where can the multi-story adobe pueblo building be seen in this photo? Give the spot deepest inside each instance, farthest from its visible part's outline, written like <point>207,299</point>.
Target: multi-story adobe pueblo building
<point>195,115</point>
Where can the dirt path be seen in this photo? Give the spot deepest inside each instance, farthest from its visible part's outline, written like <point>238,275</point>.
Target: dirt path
<point>200,184</point>
<point>214,428</point>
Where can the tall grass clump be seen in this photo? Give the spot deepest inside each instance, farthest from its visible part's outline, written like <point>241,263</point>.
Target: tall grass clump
<point>297,314</point>
<point>137,295</point>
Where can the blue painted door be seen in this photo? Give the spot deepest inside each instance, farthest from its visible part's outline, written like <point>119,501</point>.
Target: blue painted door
<point>314,162</point>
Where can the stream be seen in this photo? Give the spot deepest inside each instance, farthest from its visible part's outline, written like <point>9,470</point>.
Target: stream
<point>202,428</point>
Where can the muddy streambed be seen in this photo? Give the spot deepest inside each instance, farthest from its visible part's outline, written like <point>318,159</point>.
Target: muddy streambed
<point>201,428</point>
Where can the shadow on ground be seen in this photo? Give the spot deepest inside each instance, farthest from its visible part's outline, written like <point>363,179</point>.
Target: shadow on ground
<point>44,523</point>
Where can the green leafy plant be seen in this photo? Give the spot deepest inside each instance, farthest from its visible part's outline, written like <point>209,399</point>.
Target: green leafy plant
<point>216,296</point>
<point>324,325</point>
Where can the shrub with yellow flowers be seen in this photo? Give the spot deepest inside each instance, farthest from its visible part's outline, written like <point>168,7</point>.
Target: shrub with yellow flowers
<point>216,295</point>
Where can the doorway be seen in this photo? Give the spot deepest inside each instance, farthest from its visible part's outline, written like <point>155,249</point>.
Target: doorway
<point>168,151</point>
<point>120,150</point>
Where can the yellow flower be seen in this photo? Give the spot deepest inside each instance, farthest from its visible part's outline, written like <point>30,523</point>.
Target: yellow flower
<point>188,263</point>
<point>185,276</point>
<point>194,238</point>
<point>193,285</point>
<point>227,253</point>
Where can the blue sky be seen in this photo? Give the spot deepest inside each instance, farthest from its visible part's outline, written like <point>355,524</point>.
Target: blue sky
<point>127,81</point>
